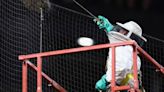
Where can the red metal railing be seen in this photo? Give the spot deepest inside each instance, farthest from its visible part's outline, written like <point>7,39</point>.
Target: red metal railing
<point>114,88</point>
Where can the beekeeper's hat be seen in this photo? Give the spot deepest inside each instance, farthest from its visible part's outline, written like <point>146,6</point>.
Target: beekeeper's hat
<point>132,27</point>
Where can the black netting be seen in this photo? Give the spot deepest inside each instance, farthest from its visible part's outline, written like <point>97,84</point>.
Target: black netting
<point>152,80</point>
<point>77,72</point>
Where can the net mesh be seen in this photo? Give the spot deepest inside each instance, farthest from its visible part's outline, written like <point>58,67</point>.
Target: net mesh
<point>77,72</point>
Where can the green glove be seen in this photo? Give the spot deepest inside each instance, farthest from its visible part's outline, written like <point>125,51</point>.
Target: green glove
<point>103,23</point>
<point>101,84</point>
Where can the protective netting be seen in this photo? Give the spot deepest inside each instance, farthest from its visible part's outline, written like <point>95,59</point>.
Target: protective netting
<point>19,35</point>
<point>78,72</point>
<point>152,80</point>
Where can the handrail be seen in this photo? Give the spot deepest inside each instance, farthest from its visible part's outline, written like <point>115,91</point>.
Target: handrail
<point>152,60</point>
<point>73,50</point>
<point>51,81</point>
<point>39,57</point>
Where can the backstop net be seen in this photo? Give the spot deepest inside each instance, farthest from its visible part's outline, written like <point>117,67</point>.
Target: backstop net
<point>21,24</point>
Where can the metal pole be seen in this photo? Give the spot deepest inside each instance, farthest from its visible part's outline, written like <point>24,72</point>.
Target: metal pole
<point>41,28</point>
<point>39,74</point>
<point>39,59</point>
<point>24,76</point>
<point>135,72</point>
<point>84,9</point>
<point>113,84</point>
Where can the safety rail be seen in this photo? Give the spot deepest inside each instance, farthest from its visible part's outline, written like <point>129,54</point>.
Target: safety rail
<point>40,74</point>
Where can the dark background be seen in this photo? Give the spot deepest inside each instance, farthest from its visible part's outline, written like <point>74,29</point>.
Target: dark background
<point>147,13</point>
<point>78,72</point>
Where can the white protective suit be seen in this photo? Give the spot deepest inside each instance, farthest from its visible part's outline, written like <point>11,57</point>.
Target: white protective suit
<point>123,57</point>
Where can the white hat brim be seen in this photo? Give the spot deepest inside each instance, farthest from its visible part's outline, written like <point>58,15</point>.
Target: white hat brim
<point>122,25</point>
